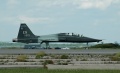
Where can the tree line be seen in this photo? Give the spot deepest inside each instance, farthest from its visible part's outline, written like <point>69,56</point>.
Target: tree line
<point>106,45</point>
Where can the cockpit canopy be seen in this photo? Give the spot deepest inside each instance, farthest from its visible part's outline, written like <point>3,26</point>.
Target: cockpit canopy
<point>70,34</point>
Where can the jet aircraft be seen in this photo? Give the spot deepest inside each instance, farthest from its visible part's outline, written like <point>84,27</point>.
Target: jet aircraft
<point>25,35</point>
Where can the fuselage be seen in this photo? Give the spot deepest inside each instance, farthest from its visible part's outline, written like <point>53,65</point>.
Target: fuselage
<point>60,37</point>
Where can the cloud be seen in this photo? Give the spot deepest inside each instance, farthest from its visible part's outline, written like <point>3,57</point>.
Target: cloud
<point>9,20</point>
<point>80,4</point>
<point>118,13</point>
<point>98,4</point>
<point>50,3</point>
<point>6,19</point>
<point>12,3</point>
<point>96,23</point>
<point>26,19</point>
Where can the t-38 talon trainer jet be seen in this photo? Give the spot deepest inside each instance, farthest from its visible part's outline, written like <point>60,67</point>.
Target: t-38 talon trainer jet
<point>25,35</point>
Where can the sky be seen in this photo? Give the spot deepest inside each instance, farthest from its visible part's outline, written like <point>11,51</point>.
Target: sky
<point>98,19</point>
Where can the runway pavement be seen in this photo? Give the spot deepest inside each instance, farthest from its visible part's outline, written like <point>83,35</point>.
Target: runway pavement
<point>53,51</point>
<point>83,66</point>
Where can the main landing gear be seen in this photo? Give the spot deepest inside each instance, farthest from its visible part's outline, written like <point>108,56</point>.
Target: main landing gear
<point>47,44</point>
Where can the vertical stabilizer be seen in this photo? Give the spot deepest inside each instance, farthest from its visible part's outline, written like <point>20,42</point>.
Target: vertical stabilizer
<point>25,32</point>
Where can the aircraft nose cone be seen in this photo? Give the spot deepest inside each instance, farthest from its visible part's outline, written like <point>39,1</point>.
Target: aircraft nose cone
<point>98,40</point>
